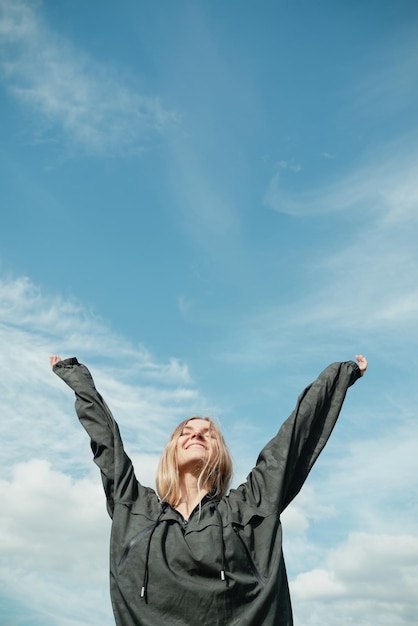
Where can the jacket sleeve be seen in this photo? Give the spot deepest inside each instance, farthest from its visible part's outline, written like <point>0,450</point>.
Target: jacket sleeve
<point>116,468</point>
<point>285,462</point>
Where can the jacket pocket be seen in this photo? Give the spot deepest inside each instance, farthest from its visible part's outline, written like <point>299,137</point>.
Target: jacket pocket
<point>248,556</point>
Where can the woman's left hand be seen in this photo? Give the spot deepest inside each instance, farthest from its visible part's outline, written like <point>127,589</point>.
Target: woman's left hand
<point>362,363</point>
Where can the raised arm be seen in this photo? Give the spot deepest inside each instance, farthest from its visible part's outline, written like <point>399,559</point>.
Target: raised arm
<point>116,468</point>
<point>285,462</point>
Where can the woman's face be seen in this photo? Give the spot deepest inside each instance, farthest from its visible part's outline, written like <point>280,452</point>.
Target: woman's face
<point>196,444</point>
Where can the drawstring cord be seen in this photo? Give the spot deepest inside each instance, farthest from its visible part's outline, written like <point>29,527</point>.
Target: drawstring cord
<point>145,581</point>
<point>221,532</point>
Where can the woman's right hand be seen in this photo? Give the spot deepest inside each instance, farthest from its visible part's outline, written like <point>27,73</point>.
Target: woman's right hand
<point>53,360</point>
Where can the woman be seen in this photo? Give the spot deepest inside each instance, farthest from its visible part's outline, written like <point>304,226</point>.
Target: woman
<point>194,554</point>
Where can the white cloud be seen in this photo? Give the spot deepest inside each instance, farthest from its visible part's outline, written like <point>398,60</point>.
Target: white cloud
<point>306,508</point>
<point>82,101</point>
<point>48,477</point>
<point>58,508</point>
<point>316,584</point>
<point>370,579</point>
<point>377,471</point>
<point>54,527</point>
<point>356,558</point>
<point>53,540</point>
<point>295,519</point>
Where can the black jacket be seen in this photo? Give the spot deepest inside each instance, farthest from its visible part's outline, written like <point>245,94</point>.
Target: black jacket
<point>166,571</point>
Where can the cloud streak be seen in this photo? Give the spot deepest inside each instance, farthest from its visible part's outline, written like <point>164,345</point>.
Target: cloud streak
<point>382,184</point>
<point>74,99</point>
<point>363,284</point>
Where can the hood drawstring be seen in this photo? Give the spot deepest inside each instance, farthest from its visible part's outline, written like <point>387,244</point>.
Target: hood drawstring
<point>158,520</point>
<point>145,581</point>
<point>221,532</point>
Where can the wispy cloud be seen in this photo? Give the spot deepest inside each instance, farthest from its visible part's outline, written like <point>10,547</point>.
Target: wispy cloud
<point>386,86</point>
<point>44,476</point>
<point>364,283</point>
<point>33,325</point>
<point>289,165</point>
<point>382,182</point>
<point>207,213</point>
<point>74,99</point>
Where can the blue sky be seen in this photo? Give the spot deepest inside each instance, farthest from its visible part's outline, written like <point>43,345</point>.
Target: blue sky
<point>207,203</point>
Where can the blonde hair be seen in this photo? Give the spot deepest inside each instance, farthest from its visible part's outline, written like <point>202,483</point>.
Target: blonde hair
<point>215,474</point>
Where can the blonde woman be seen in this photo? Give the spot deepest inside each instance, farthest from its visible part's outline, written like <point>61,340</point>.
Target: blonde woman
<point>194,553</point>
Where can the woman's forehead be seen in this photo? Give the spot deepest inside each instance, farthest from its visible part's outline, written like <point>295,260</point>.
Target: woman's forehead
<point>198,422</point>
